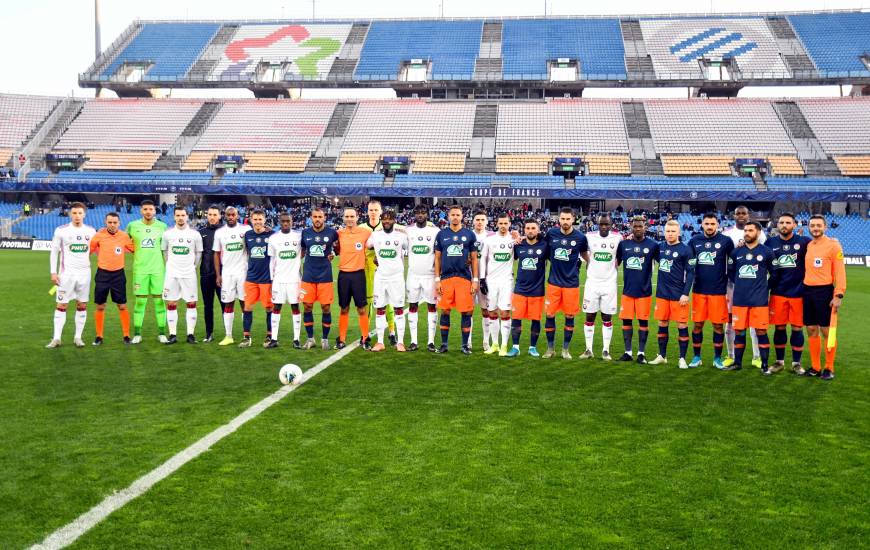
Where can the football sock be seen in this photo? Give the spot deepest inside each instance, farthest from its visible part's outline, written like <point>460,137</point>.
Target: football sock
<point>756,353</point>
<point>139,305</point>
<point>381,324</point>
<point>124,314</point>
<point>607,334</point>
<point>190,318</point>
<point>466,328</point>
<point>172,318</point>
<point>627,334</point>
<point>642,334</point>
<point>663,341</point>
<point>494,329</point>
<point>308,321</point>
<point>413,314</point>
<point>684,341</point>
<point>229,317</point>
<point>534,332</point>
<point>80,319</point>
<point>276,321</point>
<point>739,347</point>
<point>343,321</point>
<point>589,333</point>
<point>718,343</point>
<point>432,324</point>
<point>797,343</point>
<point>780,338</point>
<point>729,339</point>
<point>568,332</point>
<point>550,329</point>
<point>400,325</point>
<point>99,321</point>
<point>445,328</point>
<point>763,348</point>
<point>816,352</point>
<point>269,323</point>
<point>326,324</point>
<point>516,331</point>
<point>247,321</point>
<point>297,322</point>
<point>160,315</point>
<point>59,322</point>
<point>697,341</point>
<point>505,331</point>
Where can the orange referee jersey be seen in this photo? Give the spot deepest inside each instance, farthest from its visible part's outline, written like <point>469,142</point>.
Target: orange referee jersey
<point>110,249</point>
<point>824,264</point>
<point>352,248</point>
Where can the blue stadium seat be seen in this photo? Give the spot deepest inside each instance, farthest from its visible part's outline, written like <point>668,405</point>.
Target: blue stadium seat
<point>835,41</point>
<point>452,46</point>
<point>527,45</point>
<point>172,47</point>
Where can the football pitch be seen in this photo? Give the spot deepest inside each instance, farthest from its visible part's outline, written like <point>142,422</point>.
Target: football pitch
<point>418,450</point>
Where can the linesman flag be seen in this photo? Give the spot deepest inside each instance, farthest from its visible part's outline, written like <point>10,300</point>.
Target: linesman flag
<point>832,332</point>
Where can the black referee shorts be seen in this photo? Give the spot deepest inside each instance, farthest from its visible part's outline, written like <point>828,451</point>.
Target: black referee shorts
<point>817,305</point>
<point>352,284</point>
<point>114,282</point>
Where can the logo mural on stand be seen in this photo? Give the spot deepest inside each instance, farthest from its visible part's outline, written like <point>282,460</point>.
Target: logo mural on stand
<point>241,60</point>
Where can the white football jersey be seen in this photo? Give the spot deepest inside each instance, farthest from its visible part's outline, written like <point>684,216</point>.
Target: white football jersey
<point>497,258</point>
<point>602,257</point>
<point>421,250</point>
<point>230,242</point>
<point>182,247</point>
<point>73,245</point>
<point>481,237</point>
<point>390,249</point>
<point>285,249</point>
<point>736,235</point>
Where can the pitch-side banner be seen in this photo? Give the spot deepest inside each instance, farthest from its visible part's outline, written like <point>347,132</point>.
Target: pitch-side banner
<point>857,260</point>
<point>16,244</point>
<point>482,192</point>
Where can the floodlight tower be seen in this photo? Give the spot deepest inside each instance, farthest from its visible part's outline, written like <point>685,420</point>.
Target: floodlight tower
<point>97,47</point>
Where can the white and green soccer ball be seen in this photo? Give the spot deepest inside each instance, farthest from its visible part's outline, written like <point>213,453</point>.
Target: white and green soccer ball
<point>290,374</point>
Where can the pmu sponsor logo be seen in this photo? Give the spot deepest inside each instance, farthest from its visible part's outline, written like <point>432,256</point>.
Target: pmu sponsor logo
<point>747,272</point>
<point>420,249</point>
<point>529,264</point>
<point>181,250</point>
<point>234,247</point>
<point>634,262</point>
<point>502,256</point>
<point>454,250</point>
<point>603,256</point>
<point>387,253</point>
<point>287,254</point>
<point>78,247</point>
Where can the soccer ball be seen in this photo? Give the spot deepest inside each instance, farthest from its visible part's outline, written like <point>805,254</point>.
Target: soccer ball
<point>290,374</point>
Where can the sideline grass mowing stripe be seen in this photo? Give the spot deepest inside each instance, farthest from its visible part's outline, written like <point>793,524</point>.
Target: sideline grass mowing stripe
<point>69,533</point>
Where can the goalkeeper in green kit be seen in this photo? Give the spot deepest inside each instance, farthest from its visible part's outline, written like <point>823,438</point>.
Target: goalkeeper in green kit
<point>148,269</point>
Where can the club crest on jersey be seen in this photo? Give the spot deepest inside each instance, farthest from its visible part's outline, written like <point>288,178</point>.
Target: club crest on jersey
<point>706,257</point>
<point>287,254</point>
<point>234,247</point>
<point>665,265</point>
<point>786,260</point>
<point>387,253</point>
<point>317,250</point>
<point>502,256</point>
<point>454,250</point>
<point>634,262</point>
<point>420,249</point>
<point>180,250</point>
<point>747,271</point>
<point>602,257</point>
<point>529,264</point>
<point>561,254</point>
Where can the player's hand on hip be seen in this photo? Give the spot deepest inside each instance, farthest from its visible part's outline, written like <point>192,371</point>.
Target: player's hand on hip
<point>684,300</point>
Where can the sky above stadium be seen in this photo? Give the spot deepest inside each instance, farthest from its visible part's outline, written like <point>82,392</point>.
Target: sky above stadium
<point>46,43</point>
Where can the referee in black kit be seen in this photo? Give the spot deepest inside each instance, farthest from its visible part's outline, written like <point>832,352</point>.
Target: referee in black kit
<point>207,274</point>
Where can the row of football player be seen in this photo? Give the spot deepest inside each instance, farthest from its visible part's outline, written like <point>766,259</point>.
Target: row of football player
<point>449,260</point>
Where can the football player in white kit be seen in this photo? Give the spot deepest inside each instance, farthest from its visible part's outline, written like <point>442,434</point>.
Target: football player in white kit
<point>479,227</point>
<point>421,275</point>
<point>231,265</point>
<point>389,284</point>
<point>285,251</point>
<point>71,245</point>
<point>735,233</point>
<point>497,276</point>
<point>599,294</point>
<point>182,250</point>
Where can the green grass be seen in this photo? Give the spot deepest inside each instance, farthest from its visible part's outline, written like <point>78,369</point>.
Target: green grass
<point>420,450</point>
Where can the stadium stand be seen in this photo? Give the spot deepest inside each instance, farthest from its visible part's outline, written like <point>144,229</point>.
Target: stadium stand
<point>451,46</point>
<point>20,116</point>
<point>264,125</point>
<point>170,49</point>
<point>128,125</point>
<point>842,126</point>
<point>785,166</point>
<point>858,165</point>
<point>309,48</point>
<point>675,45</point>
<point>561,126</point>
<point>410,126</point>
<point>835,41</point>
<point>528,44</point>
<point>120,160</point>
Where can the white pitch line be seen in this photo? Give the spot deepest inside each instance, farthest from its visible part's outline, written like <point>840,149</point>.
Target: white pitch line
<point>68,534</point>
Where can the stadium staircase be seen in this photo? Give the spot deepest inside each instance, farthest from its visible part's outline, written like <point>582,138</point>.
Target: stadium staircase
<point>113,51</point>
<point>213,53</point>
<point>813,158</point>
<point>643,159</point>
<point>64,118</point>
<point>174,158</point>
<point>793,53</point>
<point>488,66</point>
<point>481,158</point>
<point>30,137</point>
<point>638,63</point>
<point>343,66</point>
<point>328,149</point>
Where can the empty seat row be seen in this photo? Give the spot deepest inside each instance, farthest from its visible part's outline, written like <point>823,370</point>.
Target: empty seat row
<point>842,125</point>
<point>19,117</point>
